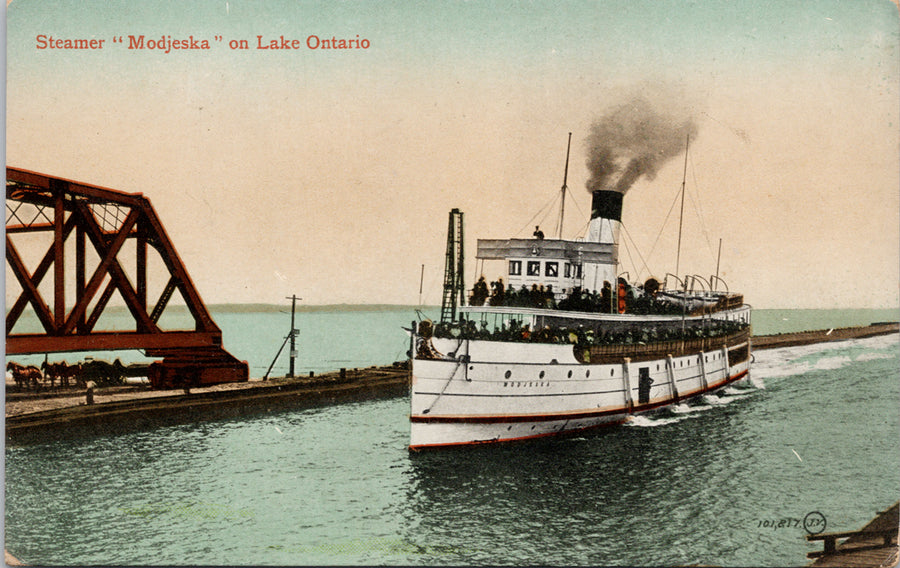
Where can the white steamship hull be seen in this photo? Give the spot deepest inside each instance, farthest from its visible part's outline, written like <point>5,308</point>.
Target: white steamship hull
<point>492,391</point>
<point>562,342</point>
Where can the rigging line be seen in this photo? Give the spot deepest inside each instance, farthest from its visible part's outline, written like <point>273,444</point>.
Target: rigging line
<point>703,228</point>
<point>556,228</point>
<point>578,207</point>
<point>548,206</point>
<point>698,209</point>
<point>544,218</point>
<point>637,250</point>
<point>459,362</point>
<point>580,234</point>
<point>663,226</point>
<point>628,252</point>
<point>583,230</point>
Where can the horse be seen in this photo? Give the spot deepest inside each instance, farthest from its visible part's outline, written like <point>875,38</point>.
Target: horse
<point>62,371</point>
<point>50,372</point>
<point>23,375</point>
<point>102,373</point>
<point>69,372</point>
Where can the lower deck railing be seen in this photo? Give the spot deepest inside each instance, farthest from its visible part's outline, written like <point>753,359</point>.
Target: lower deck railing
<point>662,349</point>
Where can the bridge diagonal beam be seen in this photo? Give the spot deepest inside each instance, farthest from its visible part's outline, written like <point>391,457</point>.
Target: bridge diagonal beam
<point>109,264</point>
<point>59,266</point>
<point>29,289</point>
<point>169,255</point>
<point>163,300</point>
<point>22,301</point>
<point>99,307</point>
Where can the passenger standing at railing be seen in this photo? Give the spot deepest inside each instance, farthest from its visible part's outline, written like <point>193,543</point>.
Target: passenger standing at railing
<point>606,298</point>
<point>479,293</point>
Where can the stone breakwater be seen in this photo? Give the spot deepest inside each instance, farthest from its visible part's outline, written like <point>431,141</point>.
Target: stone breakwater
<point>118,410</point>
<point>822,335</point>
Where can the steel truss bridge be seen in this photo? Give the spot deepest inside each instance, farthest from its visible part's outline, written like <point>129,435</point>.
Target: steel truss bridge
<point>114,237</point>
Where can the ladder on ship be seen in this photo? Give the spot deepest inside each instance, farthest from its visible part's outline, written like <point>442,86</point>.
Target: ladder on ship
<point>454,282</point>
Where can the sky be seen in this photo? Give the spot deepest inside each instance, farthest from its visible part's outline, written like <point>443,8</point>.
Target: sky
<point>329,174</point>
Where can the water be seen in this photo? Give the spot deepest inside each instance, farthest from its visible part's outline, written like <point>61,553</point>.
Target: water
<point>815,430</point>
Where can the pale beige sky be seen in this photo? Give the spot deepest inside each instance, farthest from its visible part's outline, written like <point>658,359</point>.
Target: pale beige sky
<point>330,175</point>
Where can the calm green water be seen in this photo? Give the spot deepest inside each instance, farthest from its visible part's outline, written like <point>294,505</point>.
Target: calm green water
<point>815,430</point>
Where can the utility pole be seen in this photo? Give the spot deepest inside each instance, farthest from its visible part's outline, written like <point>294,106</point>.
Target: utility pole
<point>294,330</point>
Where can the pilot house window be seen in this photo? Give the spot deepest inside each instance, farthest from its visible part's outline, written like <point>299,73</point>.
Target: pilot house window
<point>551,269</point>
<point>515,267</point>
<point>534,268</point>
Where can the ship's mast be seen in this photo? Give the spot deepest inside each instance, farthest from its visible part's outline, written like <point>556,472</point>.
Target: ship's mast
<point>562,205</point>
<point>681,217</point>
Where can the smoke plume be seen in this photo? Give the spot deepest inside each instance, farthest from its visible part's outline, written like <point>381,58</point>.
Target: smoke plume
<point>631,141</point>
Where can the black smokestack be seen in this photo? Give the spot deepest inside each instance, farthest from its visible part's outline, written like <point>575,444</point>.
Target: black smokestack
<point>633,140</point>
<point>607,205</point>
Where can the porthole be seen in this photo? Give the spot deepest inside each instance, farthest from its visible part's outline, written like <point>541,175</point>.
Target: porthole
<point>587,373</point>
<point>541,375</point>
<point>508,374</point>
<point>570,373</point>
<point>612,372</point>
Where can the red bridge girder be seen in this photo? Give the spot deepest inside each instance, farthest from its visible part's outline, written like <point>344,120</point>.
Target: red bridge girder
<point>107,219</point>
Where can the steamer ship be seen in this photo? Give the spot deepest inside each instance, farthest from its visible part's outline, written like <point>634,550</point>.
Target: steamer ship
<point>562,344</point>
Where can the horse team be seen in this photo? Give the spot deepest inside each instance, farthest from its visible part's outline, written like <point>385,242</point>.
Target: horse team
<point>34,378</point>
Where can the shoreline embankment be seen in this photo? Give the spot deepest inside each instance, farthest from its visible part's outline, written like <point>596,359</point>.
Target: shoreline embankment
<point>39,418</point>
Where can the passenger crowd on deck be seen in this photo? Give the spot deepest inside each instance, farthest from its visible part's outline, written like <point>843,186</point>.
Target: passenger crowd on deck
<point>631,299</point>
<point>514,330</point>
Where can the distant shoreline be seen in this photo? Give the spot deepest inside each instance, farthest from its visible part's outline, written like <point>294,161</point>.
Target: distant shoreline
<point>309,308</point>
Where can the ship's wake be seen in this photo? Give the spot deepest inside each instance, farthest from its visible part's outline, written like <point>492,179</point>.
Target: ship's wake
<point>694,407</point>
<point>795,361</point>
<point>773,365</point>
